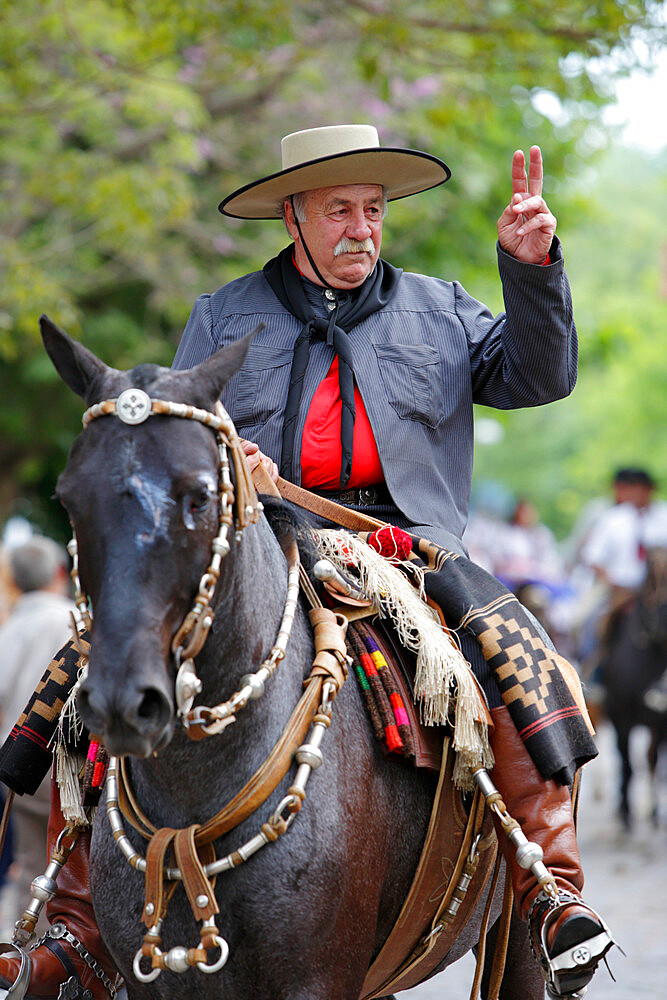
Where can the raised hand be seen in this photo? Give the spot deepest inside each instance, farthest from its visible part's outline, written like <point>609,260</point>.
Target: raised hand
<point>526,227</point>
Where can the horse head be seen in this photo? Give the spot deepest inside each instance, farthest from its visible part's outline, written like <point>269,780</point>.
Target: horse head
<point>143,499</point>
<point>653,597</point>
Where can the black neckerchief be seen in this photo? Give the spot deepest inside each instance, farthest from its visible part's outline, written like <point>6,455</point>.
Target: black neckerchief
<point>376,291</point>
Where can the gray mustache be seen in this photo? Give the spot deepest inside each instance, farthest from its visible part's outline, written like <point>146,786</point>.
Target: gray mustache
<point>346,245</point>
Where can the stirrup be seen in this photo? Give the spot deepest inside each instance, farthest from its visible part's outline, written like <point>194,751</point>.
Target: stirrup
<point>71,988</point>
<point>19,987</point>
<point>568,973</point>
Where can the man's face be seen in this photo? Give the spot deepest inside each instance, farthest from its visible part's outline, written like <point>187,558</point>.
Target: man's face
<point>343,231</point>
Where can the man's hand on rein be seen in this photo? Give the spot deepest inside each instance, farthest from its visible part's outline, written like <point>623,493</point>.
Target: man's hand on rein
<point>255,457</point>
<point>526,228</point>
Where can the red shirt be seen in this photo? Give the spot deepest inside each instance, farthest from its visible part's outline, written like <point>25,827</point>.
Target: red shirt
<point>320,446</point>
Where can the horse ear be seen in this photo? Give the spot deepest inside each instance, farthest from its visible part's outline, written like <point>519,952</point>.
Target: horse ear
<point>215,372</point>
<point>76,365</point>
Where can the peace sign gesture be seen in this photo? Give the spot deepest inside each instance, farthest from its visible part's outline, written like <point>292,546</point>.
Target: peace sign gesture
<point>526,227</point>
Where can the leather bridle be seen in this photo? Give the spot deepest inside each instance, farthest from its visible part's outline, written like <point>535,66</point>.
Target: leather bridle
<point>193,850</point>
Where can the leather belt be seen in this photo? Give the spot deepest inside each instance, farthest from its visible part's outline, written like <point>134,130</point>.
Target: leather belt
<point>365,496</point>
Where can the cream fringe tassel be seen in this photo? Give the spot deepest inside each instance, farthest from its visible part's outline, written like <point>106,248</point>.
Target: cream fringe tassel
<point>68,764</point>
<point>444,683</point>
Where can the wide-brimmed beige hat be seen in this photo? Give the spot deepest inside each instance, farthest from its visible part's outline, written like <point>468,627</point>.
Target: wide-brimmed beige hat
<point>336,154</point>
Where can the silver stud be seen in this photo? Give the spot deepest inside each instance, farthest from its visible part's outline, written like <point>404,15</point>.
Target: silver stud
<point>150,909</point>
<point>133,406</point>
<point>202,901</point>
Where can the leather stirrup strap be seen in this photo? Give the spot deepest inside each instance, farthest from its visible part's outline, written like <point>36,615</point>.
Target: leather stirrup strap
<point>484,926</point>
<point>502,941</point>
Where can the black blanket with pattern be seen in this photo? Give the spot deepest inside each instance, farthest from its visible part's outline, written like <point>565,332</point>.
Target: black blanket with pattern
<point>27,753</point>
<point>540,688</point>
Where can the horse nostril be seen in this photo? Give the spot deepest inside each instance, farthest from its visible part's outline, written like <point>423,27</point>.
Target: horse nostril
<point>86,708</point>
<point>153,706</point>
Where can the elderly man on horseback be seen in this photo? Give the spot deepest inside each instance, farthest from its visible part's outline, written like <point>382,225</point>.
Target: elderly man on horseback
<point>360,388</point>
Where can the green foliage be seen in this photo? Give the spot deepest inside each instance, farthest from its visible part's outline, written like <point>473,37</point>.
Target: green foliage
<point>565,453</point>
<point>122,125</point>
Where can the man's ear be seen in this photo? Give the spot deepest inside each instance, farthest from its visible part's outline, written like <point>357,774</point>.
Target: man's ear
<point>290,224</point>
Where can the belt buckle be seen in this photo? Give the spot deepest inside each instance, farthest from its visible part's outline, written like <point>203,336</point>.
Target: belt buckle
<point>367,496</point>
<point>347,496</point>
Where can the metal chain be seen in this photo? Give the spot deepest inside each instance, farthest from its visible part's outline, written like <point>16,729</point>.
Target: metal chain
<point>59,932</point>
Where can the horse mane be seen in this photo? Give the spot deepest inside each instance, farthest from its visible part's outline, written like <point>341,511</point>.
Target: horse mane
<point>288,522</point>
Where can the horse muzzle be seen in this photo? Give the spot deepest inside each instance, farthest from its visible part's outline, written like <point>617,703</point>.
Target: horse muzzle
<point>131,721</point>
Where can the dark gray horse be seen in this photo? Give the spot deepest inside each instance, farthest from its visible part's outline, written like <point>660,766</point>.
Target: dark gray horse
<point>635,658</point>
<point>305,916</point>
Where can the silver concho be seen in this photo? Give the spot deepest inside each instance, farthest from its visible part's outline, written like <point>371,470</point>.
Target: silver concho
<point>133,406</point>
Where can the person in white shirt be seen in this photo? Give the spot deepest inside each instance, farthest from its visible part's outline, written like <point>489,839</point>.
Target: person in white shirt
<point>618,543</point>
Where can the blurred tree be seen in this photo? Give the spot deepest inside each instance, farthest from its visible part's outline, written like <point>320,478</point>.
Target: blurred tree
<point>123,124</point>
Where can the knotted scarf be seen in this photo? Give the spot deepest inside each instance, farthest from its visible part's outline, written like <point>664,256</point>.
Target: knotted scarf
<point>349,310</point>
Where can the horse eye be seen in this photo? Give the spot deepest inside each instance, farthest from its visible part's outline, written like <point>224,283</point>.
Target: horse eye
<point>199,500</point>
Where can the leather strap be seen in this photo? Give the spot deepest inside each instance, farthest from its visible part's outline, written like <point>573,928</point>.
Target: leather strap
<point>4,824</point>
<point>335,512</point>
<point>483,928</point>
<point>263,782</point>
<point>68,965</point>
<point>502,941</point>
<point>155,897</point>
<point>272,771</point>
<point>327,508</point>
<point>196,882</point>
<point>411,953</point>
<point>331,650</point>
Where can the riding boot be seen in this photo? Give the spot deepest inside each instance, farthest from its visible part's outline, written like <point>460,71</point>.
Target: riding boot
<point>566,935</point>
<point>70,962</point>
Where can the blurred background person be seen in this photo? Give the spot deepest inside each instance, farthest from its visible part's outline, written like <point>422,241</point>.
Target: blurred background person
<point>36,628</point>
<point>8,591</point>
<point>528,551</point>
<point>611,566</point>
<point>528,562</point>
<point>618,542</point>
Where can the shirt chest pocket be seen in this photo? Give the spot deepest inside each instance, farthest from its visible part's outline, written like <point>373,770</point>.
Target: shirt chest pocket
<point>412,378</point>
<point>260,388</point>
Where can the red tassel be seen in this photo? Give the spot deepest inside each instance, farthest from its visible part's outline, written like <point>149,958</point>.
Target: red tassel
<point>392,543</point>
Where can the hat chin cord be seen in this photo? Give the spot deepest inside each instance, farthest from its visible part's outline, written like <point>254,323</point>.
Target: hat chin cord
<point>305,247</point>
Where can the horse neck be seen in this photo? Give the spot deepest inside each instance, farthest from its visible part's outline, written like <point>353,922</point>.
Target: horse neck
<point>249,607</point>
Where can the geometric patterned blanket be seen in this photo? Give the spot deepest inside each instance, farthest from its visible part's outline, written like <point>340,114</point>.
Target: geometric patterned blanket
<point>539,687</point>
<point>27,753</point>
